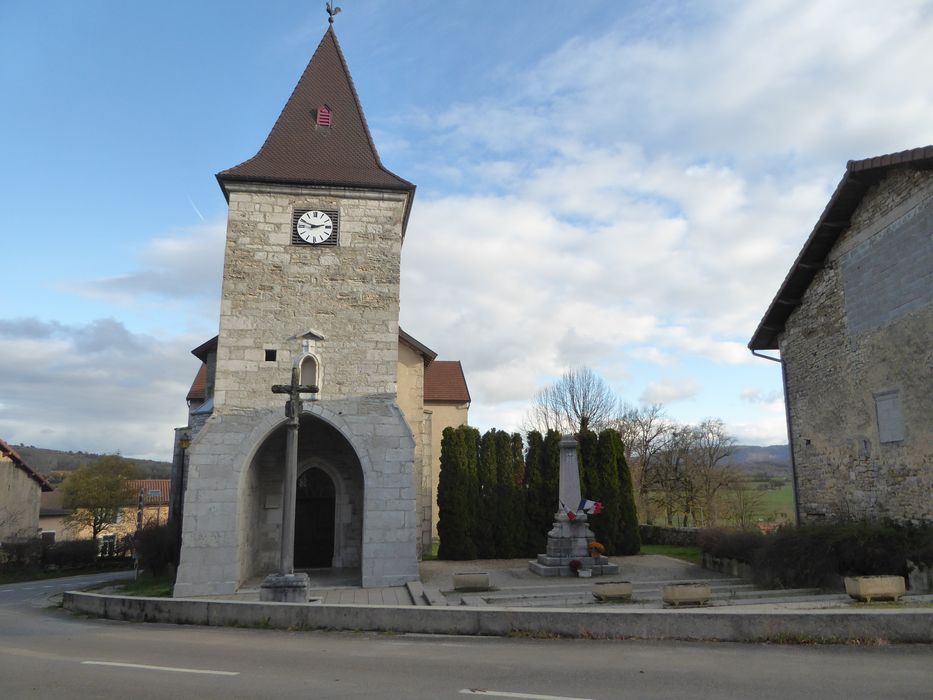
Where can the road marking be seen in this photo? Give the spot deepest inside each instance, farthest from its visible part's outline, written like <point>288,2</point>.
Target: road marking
<point>7,590</point>
<point>529,696</point>
<point>48,586</point>
<point>162,668</point>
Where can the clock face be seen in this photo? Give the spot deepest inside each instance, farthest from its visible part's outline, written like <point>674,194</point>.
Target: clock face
<point>314,227</point>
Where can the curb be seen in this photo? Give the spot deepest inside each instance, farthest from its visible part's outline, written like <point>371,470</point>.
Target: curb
<point>698,624</point>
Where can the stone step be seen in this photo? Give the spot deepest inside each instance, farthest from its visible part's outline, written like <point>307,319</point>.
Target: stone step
<point>434,596</point>
<point>416,591</point>
<point>646,594</point>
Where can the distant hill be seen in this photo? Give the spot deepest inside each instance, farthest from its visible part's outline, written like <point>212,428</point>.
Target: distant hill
<point>756,460</point>
<point>48,461</point>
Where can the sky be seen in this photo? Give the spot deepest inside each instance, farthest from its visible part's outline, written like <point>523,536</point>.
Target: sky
<point>609,184</point>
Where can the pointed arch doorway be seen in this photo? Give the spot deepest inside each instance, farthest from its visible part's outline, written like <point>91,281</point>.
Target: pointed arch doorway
<point>315,512</point>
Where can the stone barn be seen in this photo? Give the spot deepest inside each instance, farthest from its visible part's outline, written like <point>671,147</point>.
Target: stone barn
<point>853,321</point>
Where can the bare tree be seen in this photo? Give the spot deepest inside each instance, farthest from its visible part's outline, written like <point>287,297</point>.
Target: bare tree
<point>744,504</point>
<point>579,400</point>
<point>712,447</point>
<point>645,431</point>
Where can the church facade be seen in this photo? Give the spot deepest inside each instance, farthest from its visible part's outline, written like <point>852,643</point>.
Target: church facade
<point>311,280</point>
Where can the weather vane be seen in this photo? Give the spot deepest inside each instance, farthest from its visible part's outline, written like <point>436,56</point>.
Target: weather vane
<point>331,11</point>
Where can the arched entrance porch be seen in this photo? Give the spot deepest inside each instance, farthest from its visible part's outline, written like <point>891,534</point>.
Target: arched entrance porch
<point>329,504</point>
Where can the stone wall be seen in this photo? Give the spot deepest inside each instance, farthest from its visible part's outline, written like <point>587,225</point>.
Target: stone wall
<point>274,292</point>
<point>859,363</point>
<point>226,534</point>
<point>411,401</point>
<point>19,502</point>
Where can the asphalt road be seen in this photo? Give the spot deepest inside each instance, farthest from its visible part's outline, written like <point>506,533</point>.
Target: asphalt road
<point>48,653</point>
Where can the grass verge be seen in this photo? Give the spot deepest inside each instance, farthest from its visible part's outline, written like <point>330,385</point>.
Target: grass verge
<point>147,586</point>
<point>690,554</point>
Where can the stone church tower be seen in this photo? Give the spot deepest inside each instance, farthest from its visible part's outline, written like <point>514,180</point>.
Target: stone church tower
<point>311,280</point>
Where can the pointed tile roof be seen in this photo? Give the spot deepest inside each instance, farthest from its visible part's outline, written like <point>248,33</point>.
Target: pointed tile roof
<point>299,151</point>
<point>444,381</point>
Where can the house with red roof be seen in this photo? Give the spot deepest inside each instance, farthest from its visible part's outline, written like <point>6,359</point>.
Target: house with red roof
<point>853,321</point>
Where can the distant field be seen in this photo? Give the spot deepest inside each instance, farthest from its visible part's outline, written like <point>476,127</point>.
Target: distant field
<point>778,504</point>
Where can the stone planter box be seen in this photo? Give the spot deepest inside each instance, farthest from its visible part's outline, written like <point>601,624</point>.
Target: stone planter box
<point>677,594</point>
<point>869,588</point>
<point>471,581</point>
<point>612,590</point>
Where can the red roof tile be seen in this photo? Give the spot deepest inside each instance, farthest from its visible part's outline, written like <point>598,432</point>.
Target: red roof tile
<point>7,451</point>
<point>299,151</point>
<point>149,488</point>
<point>198,390</point>
<point>444,381</point>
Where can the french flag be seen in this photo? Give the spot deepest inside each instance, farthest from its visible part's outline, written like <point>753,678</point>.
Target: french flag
<point>593,507</point>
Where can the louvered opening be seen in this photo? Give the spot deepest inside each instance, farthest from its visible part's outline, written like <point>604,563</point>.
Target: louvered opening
<point>324,116</point>
<point>331,240</point>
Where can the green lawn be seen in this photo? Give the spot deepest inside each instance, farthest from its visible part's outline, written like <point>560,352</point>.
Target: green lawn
<point>777,502</point>
<point>690,554</point>
<point>147,586</point>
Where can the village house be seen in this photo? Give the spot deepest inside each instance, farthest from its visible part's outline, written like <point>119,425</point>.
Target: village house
<point>20,490</point>
<point>853,321</point>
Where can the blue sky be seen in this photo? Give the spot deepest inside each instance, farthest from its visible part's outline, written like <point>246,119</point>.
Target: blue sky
<point>613,184</point>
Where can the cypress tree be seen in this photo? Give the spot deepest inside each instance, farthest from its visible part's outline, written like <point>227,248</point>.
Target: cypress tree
<point>487,502</point>
<point>588,452</point>
<point>606,525</point>
<point>550,473</point>
<point>507,520</point>
<point>471,438</point>
<point>538,515</point>
<point>629,537</point>
<point>453,501</point>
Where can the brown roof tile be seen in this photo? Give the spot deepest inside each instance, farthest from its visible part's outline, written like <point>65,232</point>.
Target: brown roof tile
<point>300,152</point>
<point>444,381</point>
<point>7,451</point>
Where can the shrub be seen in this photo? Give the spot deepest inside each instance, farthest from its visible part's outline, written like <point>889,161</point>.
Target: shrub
<point>71,554</point>
<point>20,555</point>
<point>731,545</point>
<point>156,548</point>
<point>818,555</point>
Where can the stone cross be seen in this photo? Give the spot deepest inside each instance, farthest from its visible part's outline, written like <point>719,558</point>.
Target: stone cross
<point>293,410</point>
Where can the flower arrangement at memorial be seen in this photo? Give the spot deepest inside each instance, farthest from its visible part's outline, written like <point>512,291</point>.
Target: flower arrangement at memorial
<point>596,549</point>
<point>576,565</point>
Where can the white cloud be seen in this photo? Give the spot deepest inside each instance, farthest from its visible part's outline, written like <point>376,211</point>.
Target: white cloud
<point>182,267</point>
<point>95,387</point>
<point>756,395</point>
<point>670,390</point>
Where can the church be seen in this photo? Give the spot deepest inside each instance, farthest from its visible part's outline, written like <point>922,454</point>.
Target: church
<point>311,281</point>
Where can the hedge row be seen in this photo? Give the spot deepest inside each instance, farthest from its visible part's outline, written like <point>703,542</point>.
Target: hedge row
<point>817,555</point>
<point>497,500</point>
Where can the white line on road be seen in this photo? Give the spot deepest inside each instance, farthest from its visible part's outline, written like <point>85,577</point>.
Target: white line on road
<point>7,590</point>
<point>504,694</point>
<point>162,668</point>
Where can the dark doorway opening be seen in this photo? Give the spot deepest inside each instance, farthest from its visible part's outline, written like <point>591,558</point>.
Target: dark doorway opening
<point>314,520</point>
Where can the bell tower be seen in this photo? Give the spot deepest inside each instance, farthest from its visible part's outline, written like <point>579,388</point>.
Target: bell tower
<point>311,280</point>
